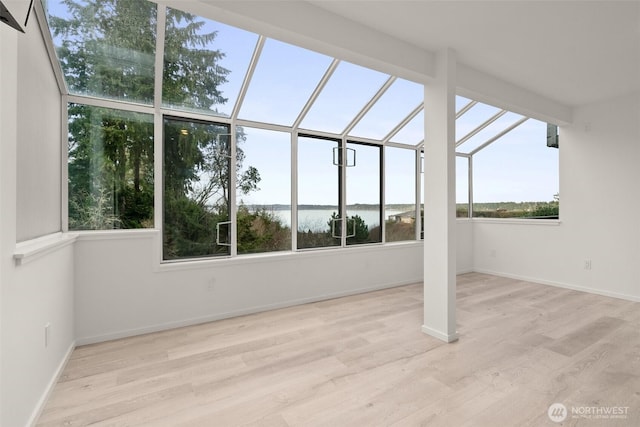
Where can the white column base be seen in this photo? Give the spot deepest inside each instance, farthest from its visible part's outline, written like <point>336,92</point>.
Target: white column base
<point>448,338</point>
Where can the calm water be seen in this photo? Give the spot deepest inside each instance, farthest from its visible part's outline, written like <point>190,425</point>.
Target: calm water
<point>317,219</point>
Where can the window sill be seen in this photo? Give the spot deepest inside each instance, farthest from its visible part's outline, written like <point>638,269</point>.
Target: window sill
<point>117,234</point>
<point>282,256</point>
<point>35,248</point>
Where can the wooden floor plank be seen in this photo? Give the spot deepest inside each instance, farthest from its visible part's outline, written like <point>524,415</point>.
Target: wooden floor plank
<point>363,361</point>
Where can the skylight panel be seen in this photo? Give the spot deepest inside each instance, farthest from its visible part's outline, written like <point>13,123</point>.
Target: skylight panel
<point>397,102</point>
<point>218,53</point>
<point>284,79</point>
<point>473,118</point>
<point>347,92</point>
<point>489,132</point>
<point>413,132</point>
<point>106,52</point>
<point>461,102</point>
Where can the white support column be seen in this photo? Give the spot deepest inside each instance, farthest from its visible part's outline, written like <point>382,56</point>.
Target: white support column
<point>439,201</point>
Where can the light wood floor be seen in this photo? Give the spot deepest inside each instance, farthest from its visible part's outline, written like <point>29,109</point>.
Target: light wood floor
<point>362,361</point>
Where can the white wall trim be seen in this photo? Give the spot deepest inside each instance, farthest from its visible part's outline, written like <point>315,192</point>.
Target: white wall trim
<point>30,250</point>
<point>561,285</point>
<point>256,309</point>
<point>448,338</point>
<point>35,415</point>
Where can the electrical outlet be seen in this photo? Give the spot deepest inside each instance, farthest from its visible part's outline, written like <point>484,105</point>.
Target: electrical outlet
<point>211,285</point>
<point>587,264</point>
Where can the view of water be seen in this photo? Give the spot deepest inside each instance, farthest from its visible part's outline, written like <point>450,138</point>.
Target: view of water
<point>317,219</point>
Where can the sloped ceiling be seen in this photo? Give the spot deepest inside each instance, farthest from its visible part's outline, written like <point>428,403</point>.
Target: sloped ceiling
<point>574,52</point>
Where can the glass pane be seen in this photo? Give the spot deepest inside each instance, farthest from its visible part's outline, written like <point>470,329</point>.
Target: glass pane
<point>473,118</point>
<point>364,209</point>
<point>397,102</point>
<point>264,191</point>
<point>517,176</point>
<point>318,193</point>
<point>205,63</point>
<point>489,132</point>
<point>196,189</point>
<point>461,102</point>
<point>106,49</point>
<point>110,169</point>
<point>413,132</point>
<point>462,187</point>
<point>400,194</point>
<point>346,93</point>
<point>284,79</point>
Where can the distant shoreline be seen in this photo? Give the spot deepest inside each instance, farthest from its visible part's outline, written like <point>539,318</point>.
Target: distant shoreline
<point>508,206</point>
<point>363,207</point>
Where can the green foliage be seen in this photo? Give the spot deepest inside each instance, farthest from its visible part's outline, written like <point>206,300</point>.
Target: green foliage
<point>316,239</point>
<point>397,231</point>
<point>106,47</point>
<point>192,75</point>
<point>356,228</point>
<point>261,231</point>
<point>462,210</point>
<point>110,169</point>
<point>360,231</point>
<point>517,210</point>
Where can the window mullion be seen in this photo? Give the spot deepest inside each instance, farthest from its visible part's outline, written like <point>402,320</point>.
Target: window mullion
<point>470,177</point>
<point>383,202</point>
<point>342,192</point>
<point>294,191</point>
<point>419,191</point>
<point>158,140</point>
<point>64,159</point>
<point>233,209</point>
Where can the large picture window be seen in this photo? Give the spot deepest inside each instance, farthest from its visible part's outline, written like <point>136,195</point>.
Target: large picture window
<point>363,183</point>
<point>197,177</point>
<point>462,187</point>
<point>400,194</point>
<point>263,191</point>
<point>110,167</point>
<point>319,192</point>
<point>525,185</point>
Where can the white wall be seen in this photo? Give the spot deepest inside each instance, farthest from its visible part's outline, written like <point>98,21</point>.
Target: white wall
<point>599,205</point>
<point>39,150</point>
<point>40,291</point>
<point>122,290</point>
<point>464,246</point>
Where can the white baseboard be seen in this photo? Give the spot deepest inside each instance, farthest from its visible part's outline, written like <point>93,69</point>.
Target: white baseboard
<point>442,336</point>
<point>37,411</point>
<point>235,313</point>
<point>561,285</point>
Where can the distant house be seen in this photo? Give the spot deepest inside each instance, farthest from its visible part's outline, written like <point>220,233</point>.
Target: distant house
<point>408,217</point>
